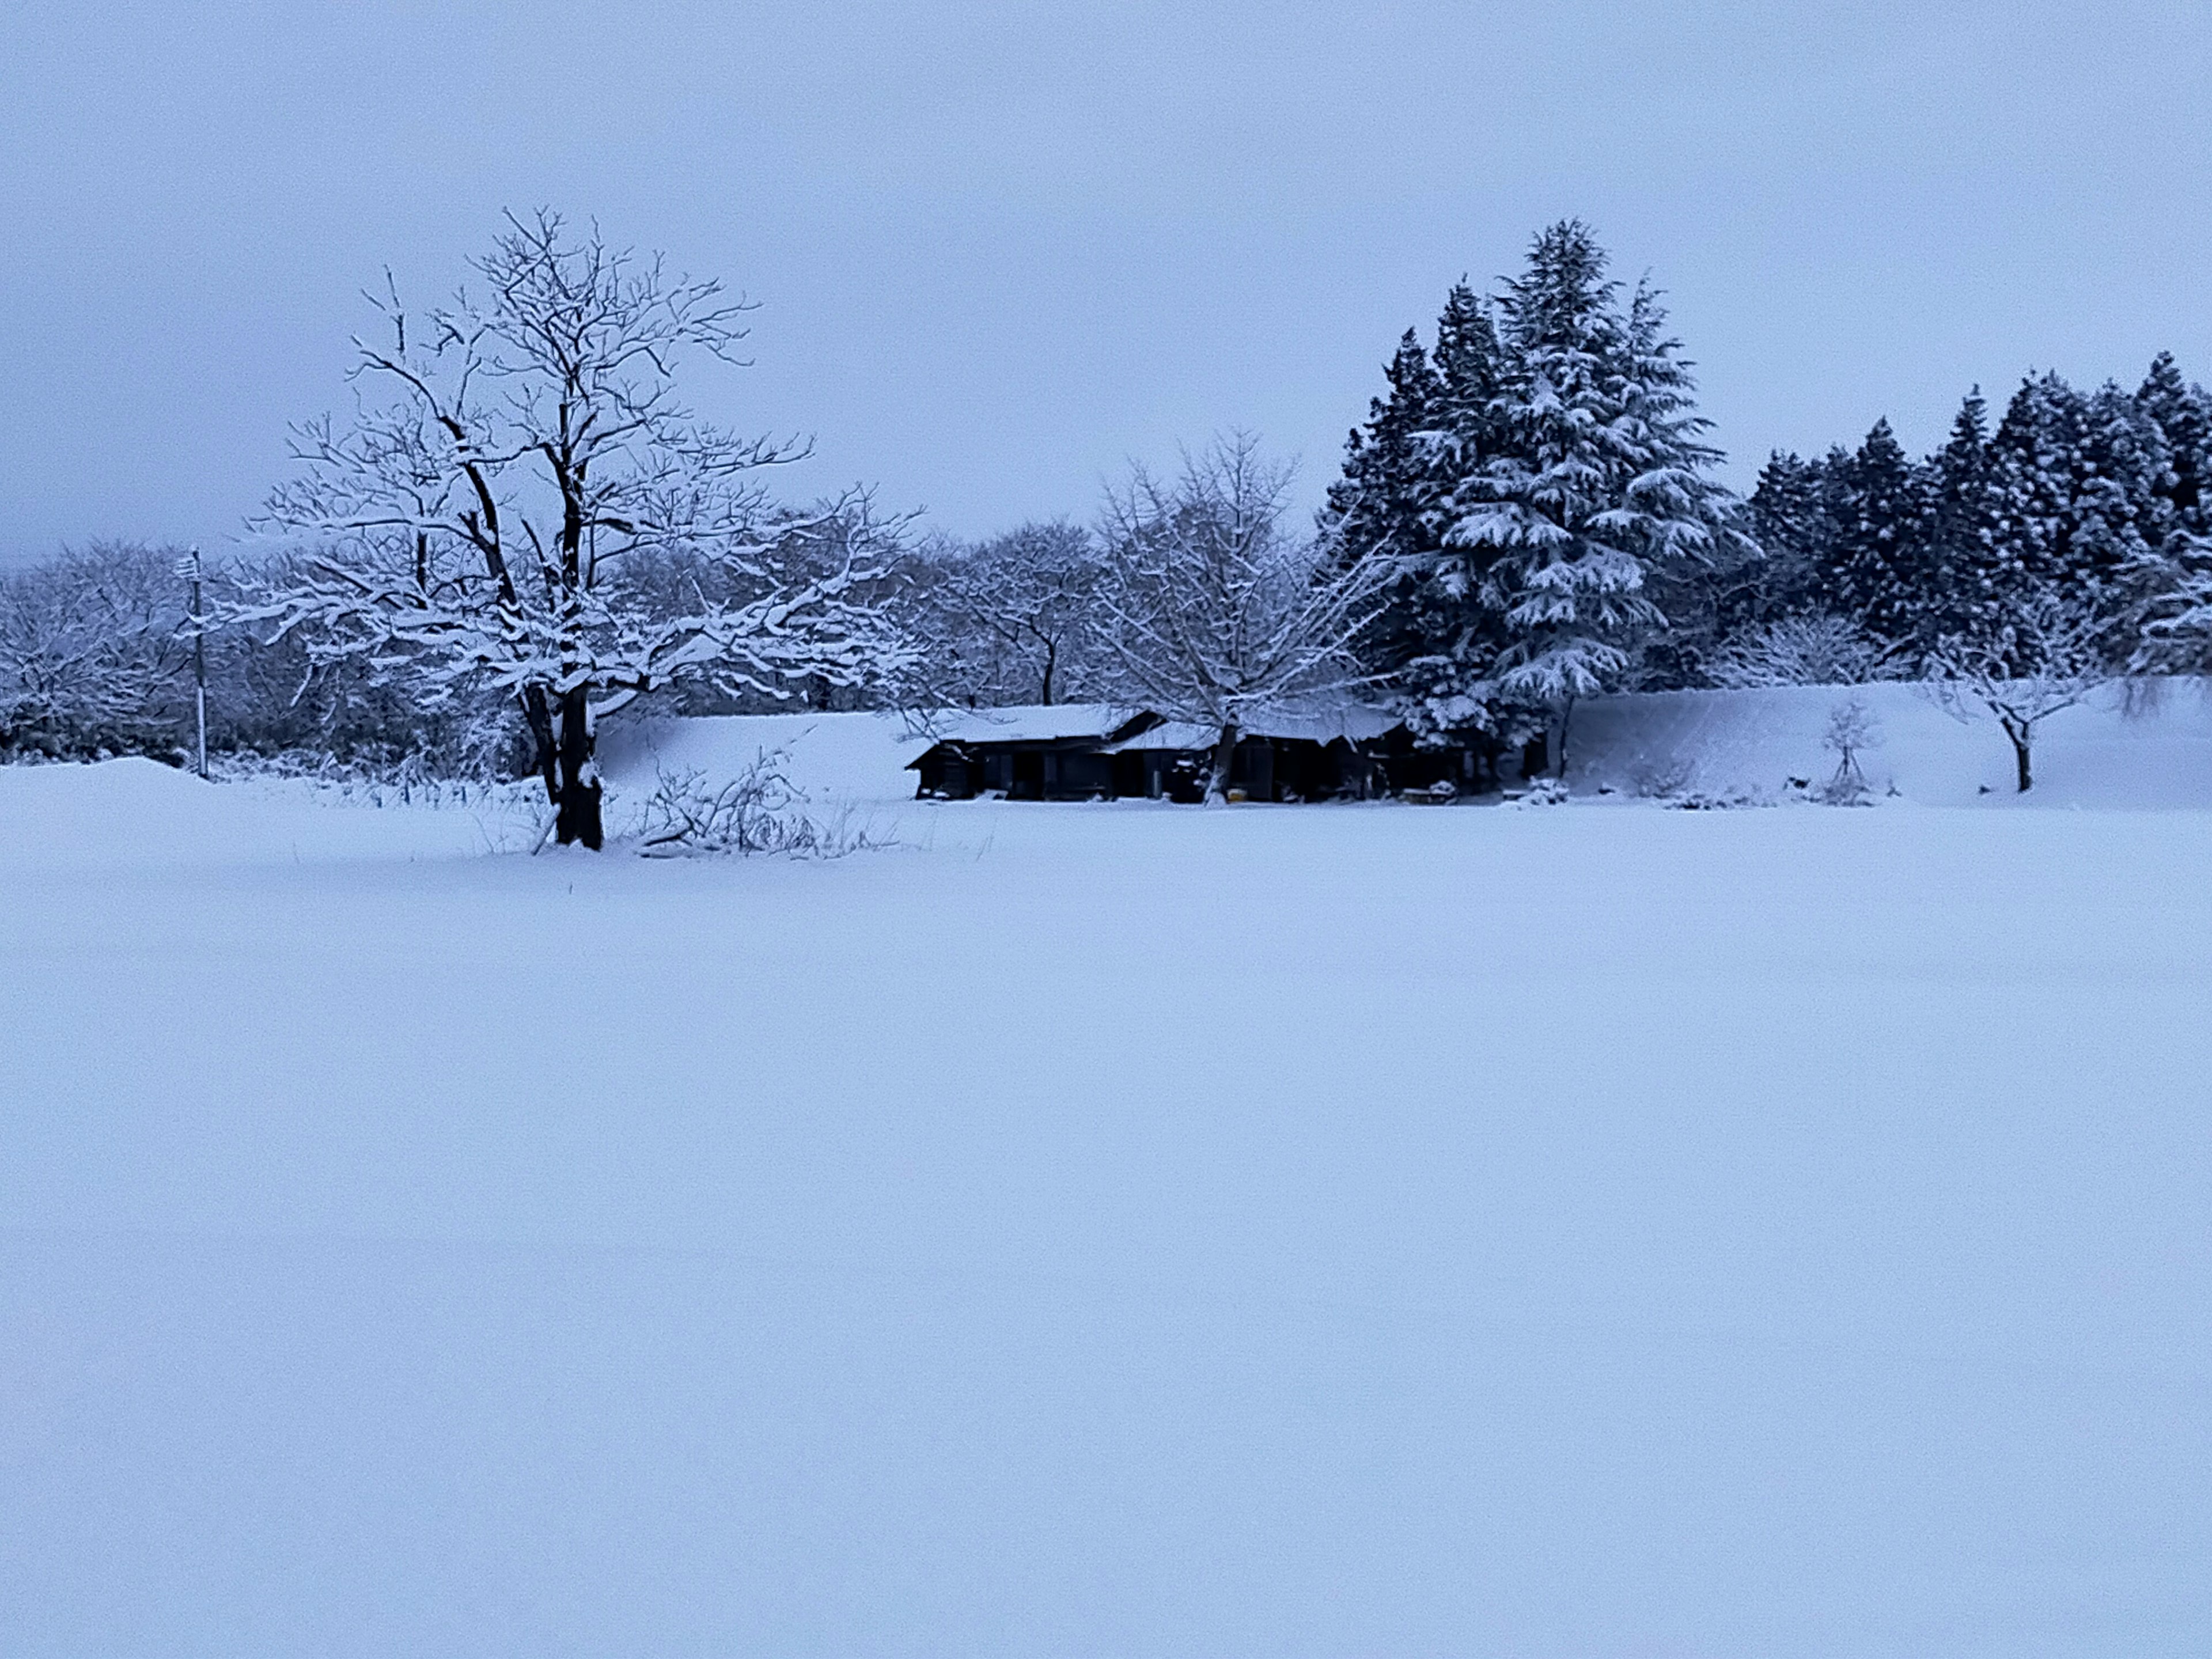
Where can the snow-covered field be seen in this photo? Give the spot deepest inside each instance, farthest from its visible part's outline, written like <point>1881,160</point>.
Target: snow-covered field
<point>1113,1229</point>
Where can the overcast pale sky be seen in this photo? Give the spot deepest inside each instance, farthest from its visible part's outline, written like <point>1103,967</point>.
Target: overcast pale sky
<point>1000,248</point>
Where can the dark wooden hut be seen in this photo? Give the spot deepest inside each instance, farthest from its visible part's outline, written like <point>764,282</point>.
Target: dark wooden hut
<point>1094,751</point>
<point>1047,752</point>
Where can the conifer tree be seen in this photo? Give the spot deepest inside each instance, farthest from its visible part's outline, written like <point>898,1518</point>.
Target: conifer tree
<point>1880,572</point>
<point>2076,507</point>
<point>1541,482</point>
<point>1379,504</point>
<point>1449,634</point>
<point>1961,509</point>
<point>1792,520</point>
<point>2035,456</point>
<point>1382,507</point>
<point>1597,483</point>
<point>2172,584</point>
<point>2183,414</point>
<point>1470,375</point>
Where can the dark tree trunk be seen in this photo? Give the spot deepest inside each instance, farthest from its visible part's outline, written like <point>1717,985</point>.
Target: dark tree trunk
<point>1051,661</point>
<point>1535,757</point>
<point>1225,756</point>
<point>576,797</point>
<point>2019,733</point>
<point>544,748</point>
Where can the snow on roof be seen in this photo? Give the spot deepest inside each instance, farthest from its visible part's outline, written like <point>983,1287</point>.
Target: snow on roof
<point>1060,722</point>
<point>1170,734</point>
<point>1033,722</point>
<point>1354,722</point>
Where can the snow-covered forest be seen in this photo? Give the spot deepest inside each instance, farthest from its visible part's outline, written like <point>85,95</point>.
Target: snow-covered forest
<point>519,530</point>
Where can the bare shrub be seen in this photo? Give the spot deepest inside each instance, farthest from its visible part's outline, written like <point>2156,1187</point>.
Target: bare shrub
<point>761,811</point>
<point>1853,730</point>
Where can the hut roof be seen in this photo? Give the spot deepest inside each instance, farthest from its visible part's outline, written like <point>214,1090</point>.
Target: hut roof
<point>1060,725</point>
<point>1353,722</point>
<point>1041,723</point>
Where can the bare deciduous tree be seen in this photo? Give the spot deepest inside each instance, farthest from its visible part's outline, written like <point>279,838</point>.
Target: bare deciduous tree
<point>519,458</point>
<point>1025,597</point>
<point>2048,656</point>
<point>94,649</point>
<point>1853,730</point>
<point>1210,612</point>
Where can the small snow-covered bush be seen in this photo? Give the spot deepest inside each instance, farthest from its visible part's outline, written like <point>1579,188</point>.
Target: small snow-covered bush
<point>1816,649</point>
<point>759,810</point>
<point>1544,792</point>
<point>1730,801</point>
<point>1661,780</point>
<point>1853,730</point>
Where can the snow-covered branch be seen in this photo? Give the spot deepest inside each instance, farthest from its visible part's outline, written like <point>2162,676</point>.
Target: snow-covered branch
<point>518,467</point>
<point>1210,612</point>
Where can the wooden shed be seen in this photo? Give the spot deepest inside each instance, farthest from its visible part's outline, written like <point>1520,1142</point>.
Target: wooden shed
<point>1099,751</point>
<point>1044,752</point>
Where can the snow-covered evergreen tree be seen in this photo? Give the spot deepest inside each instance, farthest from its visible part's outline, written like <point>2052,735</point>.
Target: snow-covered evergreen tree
<point>1471,373</point>
<point>2183,413</point>
<point>2075,510</point>
<point>1595,484</point>
<point>1880,572</point>
<point>1451,632</point>
<point>1380,504</point>
<point>1960,513</point>
<point>1383,506</point>
<point>1792,518</point>
<point>2172,582</point>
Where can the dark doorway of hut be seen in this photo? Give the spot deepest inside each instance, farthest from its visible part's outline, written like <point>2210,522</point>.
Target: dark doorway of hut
<point>1028,775</point>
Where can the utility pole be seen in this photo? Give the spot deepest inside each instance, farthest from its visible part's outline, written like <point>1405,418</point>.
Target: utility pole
<point>199,658</point>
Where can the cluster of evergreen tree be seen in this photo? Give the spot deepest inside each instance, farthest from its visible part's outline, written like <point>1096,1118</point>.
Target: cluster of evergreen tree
<point>2097,500</point>
<point>1539,482</point>
<point>1541,485</point>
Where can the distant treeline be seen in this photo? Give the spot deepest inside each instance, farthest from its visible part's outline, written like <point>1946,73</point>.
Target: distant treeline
<point>1537,479</point>
<point>1528,515</point>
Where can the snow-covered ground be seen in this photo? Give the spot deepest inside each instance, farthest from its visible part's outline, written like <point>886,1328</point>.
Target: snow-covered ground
<point>1115,1230</point>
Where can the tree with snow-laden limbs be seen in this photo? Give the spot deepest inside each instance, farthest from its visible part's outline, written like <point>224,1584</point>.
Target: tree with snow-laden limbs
<point>1851,730</point>
<point>2048,655</point>
<point>517,472</point>
<point>1210,613</point>
<point>1811,648</point>
<point>1558,490</point>
<point>2173,579</point>
<point>1881,569</point>
<point>1600,485</point>
<point>1006,620</point>
<point>93,647</point>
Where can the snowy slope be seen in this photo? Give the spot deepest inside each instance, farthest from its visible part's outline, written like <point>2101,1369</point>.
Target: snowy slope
<point>2099,755</point>
<point>836,757</point>
<point>1112,1230</point>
